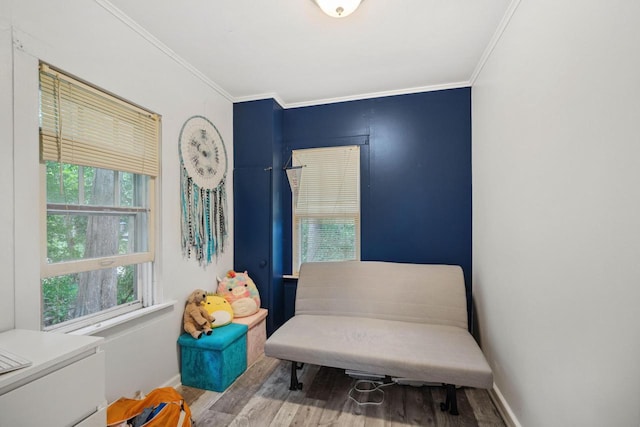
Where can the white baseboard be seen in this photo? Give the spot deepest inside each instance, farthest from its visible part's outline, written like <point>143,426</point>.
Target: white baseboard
<point>503,407</point>
<point>174,382</point>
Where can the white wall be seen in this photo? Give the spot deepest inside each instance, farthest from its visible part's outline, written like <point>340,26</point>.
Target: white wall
<point>84,39</point>
<point>556,212</point>
<point>6,174</point>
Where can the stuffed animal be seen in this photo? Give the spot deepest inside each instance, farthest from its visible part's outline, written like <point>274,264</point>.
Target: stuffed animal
<point>240,291</point>
<point>196,320</point>
<point>219,308</point>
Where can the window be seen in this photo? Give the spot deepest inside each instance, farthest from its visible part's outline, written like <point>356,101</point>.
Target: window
<point>99,162</point>
<point>326,205</point>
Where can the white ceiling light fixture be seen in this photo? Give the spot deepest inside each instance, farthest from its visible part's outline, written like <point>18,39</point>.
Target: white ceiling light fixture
<point>338,8</point>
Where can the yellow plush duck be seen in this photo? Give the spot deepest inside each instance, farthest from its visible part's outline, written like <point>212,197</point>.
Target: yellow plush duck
<point>220,309</point>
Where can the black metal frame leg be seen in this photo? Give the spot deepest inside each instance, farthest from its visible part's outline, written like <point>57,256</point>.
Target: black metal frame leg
<point>451,403</point>
<point>295,384</point>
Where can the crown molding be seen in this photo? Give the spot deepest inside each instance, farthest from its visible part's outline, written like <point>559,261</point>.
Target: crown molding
<point>109,7</point>
<point>405,91</point>
<point>124,18</point>
<point>261,96</point>
<point>506,18</point>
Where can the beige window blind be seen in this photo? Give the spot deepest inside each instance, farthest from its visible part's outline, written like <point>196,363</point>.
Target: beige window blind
<point>83,125</point>
<point>329,182</point>
<point>326,205</point>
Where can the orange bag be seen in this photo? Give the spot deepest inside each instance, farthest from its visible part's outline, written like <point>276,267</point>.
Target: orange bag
<point>161,407</point>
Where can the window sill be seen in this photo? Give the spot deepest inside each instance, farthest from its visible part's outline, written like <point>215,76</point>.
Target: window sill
<point>290,276</point>
<point>119,320</point>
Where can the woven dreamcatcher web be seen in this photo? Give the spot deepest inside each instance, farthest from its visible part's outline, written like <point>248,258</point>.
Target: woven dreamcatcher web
<point>203,158</point>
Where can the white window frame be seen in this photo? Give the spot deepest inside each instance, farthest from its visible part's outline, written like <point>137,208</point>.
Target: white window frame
<point>143,260</point>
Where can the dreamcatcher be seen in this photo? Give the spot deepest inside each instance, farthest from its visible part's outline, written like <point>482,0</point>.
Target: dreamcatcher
<point>203,158</point>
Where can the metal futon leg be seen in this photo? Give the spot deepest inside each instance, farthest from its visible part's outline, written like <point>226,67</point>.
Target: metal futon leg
<point>295,384</point>
<point>451,404</point>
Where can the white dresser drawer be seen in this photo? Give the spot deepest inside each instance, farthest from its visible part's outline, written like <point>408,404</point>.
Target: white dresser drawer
<point>64,397</point>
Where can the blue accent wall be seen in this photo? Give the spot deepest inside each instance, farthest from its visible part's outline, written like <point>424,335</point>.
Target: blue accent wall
<point>415,170</point>
<point>257,190</point>
<point>417,206</point>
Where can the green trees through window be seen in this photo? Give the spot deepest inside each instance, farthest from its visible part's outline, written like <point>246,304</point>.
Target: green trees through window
<point>325,204</point>
<point>91,213</point>
<point>99,162</point>
<point>327,239</point>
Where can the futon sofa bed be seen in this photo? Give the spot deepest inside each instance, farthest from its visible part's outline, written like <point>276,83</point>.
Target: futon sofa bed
<point>402,321</point>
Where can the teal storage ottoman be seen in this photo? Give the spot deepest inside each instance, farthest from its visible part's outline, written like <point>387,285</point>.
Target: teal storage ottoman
<point>213,362</point>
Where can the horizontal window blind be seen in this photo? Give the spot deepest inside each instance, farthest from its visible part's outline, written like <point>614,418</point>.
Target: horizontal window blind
<point>326,205</point>
<point>82,125</point>
<point>329,182</point>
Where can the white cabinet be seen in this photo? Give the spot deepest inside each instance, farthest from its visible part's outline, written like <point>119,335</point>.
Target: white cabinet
<point>64,386</point>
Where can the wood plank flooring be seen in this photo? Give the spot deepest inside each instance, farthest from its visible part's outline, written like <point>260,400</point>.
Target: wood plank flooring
<point>261,398</point>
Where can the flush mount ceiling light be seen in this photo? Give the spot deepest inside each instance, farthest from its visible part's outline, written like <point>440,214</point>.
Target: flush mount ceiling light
<point>338,8</point>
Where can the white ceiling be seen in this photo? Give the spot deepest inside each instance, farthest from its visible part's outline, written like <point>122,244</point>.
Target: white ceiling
<point>290,50</point>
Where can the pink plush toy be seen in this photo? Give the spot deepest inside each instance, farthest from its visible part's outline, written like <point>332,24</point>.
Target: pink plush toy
<point>240,291</point>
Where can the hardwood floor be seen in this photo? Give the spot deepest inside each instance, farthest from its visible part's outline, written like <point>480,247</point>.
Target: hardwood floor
<point>261,398</point>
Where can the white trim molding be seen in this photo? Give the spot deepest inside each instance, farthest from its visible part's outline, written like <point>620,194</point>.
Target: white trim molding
<point>503,407</point>
<point>406,91</point>
<point>109,7</point>
<point>119,14</point>
<point>125,318</point>
<point>260,96</point>
<point>506,18</point>
<point>370,95</point>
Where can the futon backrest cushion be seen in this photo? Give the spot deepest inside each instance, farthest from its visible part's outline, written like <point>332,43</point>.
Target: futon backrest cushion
<point>423,293</point>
